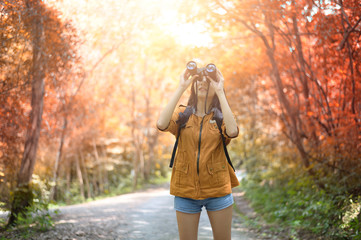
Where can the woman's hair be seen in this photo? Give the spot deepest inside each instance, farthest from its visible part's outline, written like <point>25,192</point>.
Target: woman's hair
<point>215,107</point>
<point>192,100</point>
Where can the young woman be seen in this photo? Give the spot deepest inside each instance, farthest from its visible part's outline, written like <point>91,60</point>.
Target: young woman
<point>201,175</point>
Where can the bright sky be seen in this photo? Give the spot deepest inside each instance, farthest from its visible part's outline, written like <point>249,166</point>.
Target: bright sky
<point>166,12</point>
<point>186,33</point>
<point>192,34</point>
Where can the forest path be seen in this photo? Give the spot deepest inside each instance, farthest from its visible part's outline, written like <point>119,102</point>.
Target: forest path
<point>147,214</point>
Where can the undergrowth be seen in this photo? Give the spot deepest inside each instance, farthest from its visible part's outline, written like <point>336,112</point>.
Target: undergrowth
<point>292,200</point>
<point>36,218</point>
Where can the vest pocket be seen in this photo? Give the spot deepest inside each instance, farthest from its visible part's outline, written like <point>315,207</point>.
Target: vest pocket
<point>181,174</point>
<point>214,127</point>
<point>217,173</point>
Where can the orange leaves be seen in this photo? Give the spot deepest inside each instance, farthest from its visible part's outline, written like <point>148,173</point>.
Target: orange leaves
<point>315,79</point>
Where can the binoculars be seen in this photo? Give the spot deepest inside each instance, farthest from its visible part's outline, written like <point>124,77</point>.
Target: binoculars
<point>210,70</point>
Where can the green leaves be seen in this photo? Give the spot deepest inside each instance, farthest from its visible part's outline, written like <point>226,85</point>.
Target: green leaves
<point>295,203</point>
<point>37,218</point>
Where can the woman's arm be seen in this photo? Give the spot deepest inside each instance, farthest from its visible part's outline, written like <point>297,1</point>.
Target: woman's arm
<point>229,121</point>
<point>166,115</point>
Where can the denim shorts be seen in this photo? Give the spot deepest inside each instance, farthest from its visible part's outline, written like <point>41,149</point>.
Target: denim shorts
<point>188,205</point>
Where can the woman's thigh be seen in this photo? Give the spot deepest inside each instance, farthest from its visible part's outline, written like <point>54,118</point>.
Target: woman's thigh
<point>188,225</point>
<point>221,222</point>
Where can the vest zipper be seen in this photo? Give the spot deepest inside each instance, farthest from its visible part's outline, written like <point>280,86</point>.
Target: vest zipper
<point>199,145</point>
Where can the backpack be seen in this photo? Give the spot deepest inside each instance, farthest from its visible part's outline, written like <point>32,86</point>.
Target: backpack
<point>185,116</point>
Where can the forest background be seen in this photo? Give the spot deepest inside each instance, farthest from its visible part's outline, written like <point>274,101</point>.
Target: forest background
<point>82,84</point>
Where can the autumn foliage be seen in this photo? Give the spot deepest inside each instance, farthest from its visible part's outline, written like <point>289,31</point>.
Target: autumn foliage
<point>312,78</point>
<point>37,46</point>
<point>292,71</point>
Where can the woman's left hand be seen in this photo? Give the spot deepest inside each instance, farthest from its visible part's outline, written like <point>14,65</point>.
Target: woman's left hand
<point>217,86</point>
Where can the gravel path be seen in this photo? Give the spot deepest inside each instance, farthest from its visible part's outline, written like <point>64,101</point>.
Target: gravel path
<point>146,215</point>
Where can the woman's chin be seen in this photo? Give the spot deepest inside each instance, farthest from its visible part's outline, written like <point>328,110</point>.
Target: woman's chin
<point>203,97</point>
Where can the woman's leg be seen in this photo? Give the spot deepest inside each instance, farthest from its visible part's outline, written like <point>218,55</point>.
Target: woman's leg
<point>188,225</point>
<point>221,222</point>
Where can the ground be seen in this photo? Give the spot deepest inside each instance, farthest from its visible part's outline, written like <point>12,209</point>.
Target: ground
<point>146,214</point>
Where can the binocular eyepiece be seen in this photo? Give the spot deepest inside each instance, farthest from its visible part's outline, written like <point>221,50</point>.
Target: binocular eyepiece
<point>210,70</point>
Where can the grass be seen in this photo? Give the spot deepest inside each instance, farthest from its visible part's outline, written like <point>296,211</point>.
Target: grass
<point>291,202</point>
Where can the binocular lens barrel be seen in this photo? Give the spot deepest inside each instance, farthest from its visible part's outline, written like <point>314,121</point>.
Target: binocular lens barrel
<point>191,65</point>
<point>191,68</point>
<point>210,70</point>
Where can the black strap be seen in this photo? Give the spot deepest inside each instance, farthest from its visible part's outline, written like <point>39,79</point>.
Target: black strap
<point>224,144</point>
<point>219,124</point>
<point>175,148</point>
<point>184,116</point>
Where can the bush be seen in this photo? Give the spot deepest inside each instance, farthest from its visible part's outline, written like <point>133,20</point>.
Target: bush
<point>36,217</point>
<point>291,199</point>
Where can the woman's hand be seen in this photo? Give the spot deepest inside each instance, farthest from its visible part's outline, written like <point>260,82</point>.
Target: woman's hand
<point>185,82</point>
<point>217,86</point>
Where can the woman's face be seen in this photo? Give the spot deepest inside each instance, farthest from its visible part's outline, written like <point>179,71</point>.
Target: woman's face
<point>202,85</point>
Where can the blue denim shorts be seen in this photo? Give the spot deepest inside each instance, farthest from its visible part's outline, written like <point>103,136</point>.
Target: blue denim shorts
<point>188,205</point>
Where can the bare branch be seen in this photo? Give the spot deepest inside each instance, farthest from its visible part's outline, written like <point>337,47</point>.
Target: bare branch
<point>347,34</point>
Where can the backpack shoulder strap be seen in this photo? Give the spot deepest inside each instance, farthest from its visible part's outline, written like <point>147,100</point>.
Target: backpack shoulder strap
<point>182,121</point>
<point>174,149</point>
<point>219,120</point>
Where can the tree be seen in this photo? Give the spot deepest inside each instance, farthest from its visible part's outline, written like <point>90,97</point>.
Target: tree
<point>23,195</point>
<point>291,33</point>
<point>43,31</point>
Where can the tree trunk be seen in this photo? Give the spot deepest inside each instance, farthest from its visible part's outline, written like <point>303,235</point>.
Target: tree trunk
<point>104,169</point>
<point>80,176</point>
<point>57,160</point>
<point>68,180</point>
<point>149,134</point>
<point>99,168</point>
<point>23,193</point>
<point>135,170</point>
<point>95,183</point>
<point>86,179</point>
<point>152,143</point>
<point>137,143</point>
<point>141,161</point>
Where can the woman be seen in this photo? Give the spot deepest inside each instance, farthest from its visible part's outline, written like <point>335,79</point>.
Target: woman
<point>201,175</point>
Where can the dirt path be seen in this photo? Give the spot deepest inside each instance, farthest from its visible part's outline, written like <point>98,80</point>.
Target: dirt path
<point>142,215</point>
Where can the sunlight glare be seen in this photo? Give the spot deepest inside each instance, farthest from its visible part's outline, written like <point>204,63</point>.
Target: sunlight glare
<point>186,34</point>
<point>165,14</point>
<point>192,34</point>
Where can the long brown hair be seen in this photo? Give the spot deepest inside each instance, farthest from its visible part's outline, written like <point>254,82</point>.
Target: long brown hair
<point>192,100</point>
<point>215,106</point>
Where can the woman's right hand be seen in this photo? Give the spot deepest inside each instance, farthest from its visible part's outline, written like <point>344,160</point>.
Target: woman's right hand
<point>185,82</point>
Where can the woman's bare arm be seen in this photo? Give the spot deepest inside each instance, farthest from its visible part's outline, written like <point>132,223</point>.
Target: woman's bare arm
<point>229,121</point>
<point>166,115</point>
